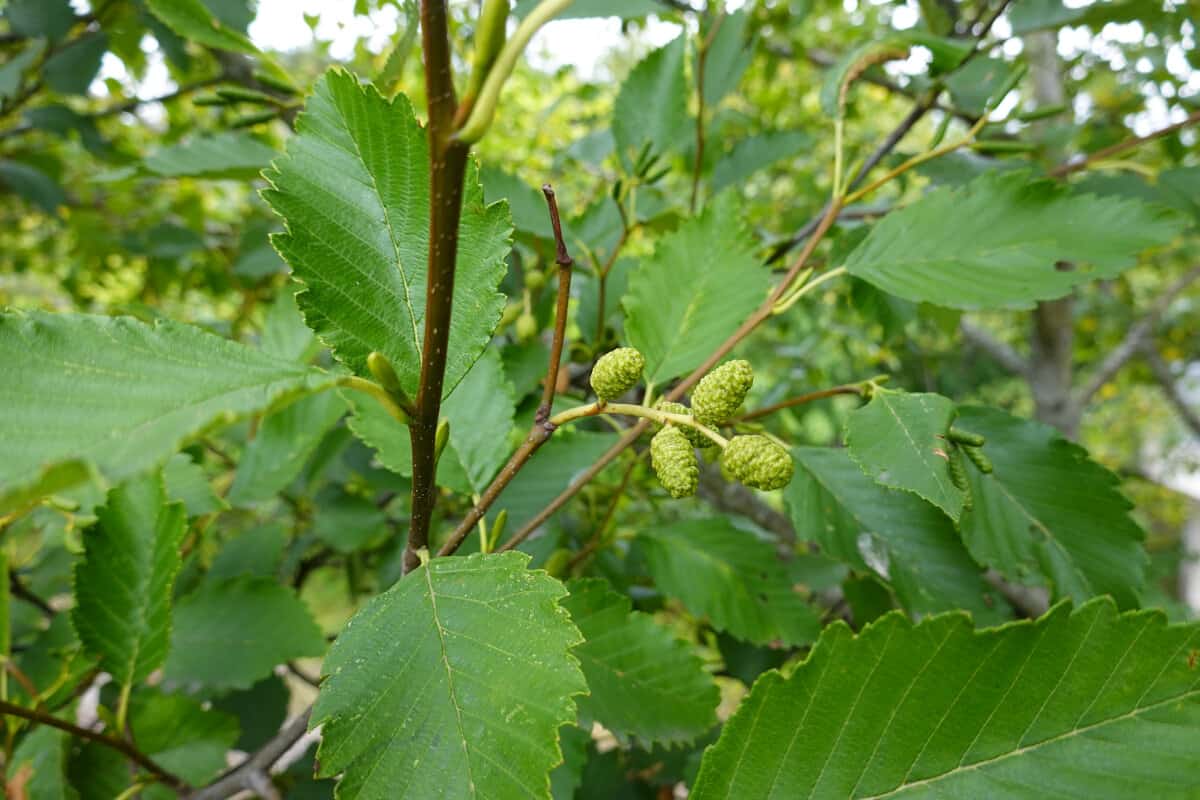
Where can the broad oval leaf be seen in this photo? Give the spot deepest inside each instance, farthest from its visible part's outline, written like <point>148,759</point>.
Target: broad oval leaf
<point>897,536</point>
<point>453,683</point>
<point>224,155</point>
<point>123,585</point>
<point>730,576</point>
<point>898,439</point>
<point>353,189</point>
<point>701,283</point>
<point>1006,240</point>
<point>121,395</point>
<point>651,108</point>
<point>231,634</point>
<point>1049,510</point>
<point>1084,704</point>
<point>642,681</point>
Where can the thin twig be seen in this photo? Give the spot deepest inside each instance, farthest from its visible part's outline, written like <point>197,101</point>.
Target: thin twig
<point>120,745</point>
<point>19,590</point>
<point>564,261</point>
<point>1138,334</point>
<point>850,388</point>
<point>542,428</point>
<point>1162,374</point>
<point>1062,170</point>
<point>248,775</point>
<point>593,543</point>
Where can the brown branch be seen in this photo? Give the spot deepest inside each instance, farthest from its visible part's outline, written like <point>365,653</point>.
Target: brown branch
<point>120,745</point>
<point>564,261</point>
<point>850,388</point>
<point>1162,374</point>
<point>1139,333</point>
<point>1000,352</point>
<point>447,168</point>
<point>252,774</point>
<point>597,537</point>
<point>1062,170</point>
<point>701,65</point>
<point>542,428</point>
<point>19,590</point>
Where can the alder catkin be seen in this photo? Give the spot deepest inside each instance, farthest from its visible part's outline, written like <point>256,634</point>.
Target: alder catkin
<point>674,462</point>
<point>720,393</point>
<point>757,462</point>
<point>617,372</point>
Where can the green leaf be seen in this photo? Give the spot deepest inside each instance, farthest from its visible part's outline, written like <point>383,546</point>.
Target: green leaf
<point>753,153</point>
<point>147,390</point>
<point>995,243</point>
<point>729,55</point>
<point>193,21</point>
<point>123,586</point>
<point>480,412</point>
<point>1034,15</point>
<point>898,439</point>
<point>1049,510</point>
<point>39,765</point>
<point>232,634</point>
<point>567,777</point>
<point>730,576</point>
<point>347,522</point>
<point>651,107</point>
<point>187,482</point>
<point>223,155</point>
<point>1085,704</point>
<point>701,283</point>
<point>283,444</point>
<point>181,735</point>
<point>899,537</point>
<point>463,668</point>
<point>72,69</point>
<point>557,465</point>
<point>642,681</point>
<point>354,191</point>
<point>33,184</point>
<point>13,69</point>
<point>261,711</point>
<point>33,18</point>
<point>284,333</point>
<point>98,772</point>
<point>257,552</point>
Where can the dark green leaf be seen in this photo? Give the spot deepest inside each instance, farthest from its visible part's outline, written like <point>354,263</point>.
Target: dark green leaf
<point>899,537</point>
<point>354,190</point>
<point>642,681</point>
<point>123,586</point>
<point>462,667</point>
<point>730,576</point>
<point>223,155</point>
<point>1084,704</point>
<point>651,107</point>
<point>995,243</point>
<point>701,283</point>
<point>1049,510</point>
<point>193,21</point>
<point>232,634</point>
<point>898,439</point>
<point>73,68</point>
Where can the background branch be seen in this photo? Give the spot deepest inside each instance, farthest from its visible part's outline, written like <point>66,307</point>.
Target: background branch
<point>120,745</point>
<point>253,773</point>
<point>1166,380</point>
<point>1137,336</point>
<point>1000,352</point>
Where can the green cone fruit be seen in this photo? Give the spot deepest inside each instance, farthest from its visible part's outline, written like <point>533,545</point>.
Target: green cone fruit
<point>757,462</point>
<point>694,436</point>
<point>720,393</point>
<point>617,372</point>
<point>674,462</point>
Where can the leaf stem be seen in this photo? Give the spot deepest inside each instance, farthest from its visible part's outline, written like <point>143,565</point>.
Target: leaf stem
<point>120,745</point>
<point>804,288</point>
<point>849,388</point>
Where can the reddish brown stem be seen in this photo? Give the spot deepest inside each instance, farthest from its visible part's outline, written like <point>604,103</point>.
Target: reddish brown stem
<point>120,745</point>
<point>1063,170</point>
<point>447,167</point>
<point>564,261</point>
<point>799,400</point>
<point>542,428</point>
